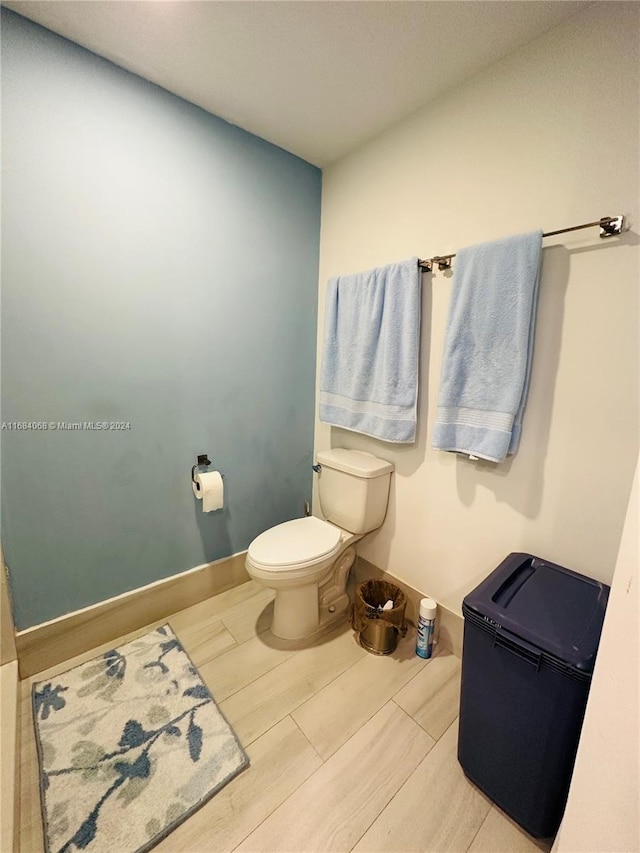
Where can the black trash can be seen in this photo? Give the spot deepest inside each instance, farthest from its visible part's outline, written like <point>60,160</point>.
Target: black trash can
<point>531,633</point>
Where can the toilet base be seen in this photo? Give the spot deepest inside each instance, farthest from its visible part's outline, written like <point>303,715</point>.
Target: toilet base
<point>303,612</point>
<point>295,612</point>
<point>296,617</point>
<point>323,628</point>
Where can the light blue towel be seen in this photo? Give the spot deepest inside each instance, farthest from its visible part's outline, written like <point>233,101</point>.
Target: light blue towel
<point>488,347</point>
<point>369,376</point>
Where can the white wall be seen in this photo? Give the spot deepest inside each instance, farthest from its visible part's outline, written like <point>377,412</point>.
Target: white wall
<point>604,800</point>
<point>546,138</point>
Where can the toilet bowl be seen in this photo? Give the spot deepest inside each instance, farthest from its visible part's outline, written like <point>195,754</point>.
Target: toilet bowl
<point>306,561</point>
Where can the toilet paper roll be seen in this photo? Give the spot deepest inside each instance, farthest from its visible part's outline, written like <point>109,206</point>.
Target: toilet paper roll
<point>209,488</point>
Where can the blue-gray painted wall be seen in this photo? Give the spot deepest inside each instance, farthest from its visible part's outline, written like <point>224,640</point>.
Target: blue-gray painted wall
<point>159,267</point>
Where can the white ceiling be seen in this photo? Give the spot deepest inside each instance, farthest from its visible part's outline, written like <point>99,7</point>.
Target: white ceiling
<point>316,77</point>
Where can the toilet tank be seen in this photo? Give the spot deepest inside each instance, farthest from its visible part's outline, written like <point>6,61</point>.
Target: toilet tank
<point>353,488</point>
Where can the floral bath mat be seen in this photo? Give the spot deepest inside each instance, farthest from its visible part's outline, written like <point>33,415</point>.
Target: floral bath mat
<point>130,744</point>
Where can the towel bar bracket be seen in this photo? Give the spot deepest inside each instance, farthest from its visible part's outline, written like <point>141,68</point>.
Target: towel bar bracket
<point>443,261</point>
<point>610,226</point>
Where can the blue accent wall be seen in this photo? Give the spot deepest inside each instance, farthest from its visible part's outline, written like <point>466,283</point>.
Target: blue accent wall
<point>159,268</point>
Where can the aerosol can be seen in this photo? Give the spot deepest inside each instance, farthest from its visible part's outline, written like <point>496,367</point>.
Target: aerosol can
<point>426,627</point>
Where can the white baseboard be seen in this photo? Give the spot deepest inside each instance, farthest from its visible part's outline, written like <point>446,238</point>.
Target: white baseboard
<point>7,633</point>
<point>9,752</point>
<point>52,642</point>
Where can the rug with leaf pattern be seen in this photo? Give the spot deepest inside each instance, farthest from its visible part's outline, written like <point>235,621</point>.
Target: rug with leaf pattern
<point>130,744</point>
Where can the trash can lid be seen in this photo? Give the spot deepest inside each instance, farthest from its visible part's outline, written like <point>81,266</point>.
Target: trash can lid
<point>558,610</point>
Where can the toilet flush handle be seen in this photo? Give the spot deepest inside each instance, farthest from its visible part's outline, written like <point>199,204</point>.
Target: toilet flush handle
<point>317,468</point>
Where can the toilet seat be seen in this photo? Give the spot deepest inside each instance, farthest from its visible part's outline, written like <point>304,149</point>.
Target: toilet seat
<point>294,545</point>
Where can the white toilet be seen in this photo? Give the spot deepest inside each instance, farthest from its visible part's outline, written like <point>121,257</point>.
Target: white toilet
<point>306,561</point>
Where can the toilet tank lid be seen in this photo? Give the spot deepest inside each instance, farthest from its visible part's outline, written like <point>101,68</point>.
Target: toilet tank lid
<point>357,462</point>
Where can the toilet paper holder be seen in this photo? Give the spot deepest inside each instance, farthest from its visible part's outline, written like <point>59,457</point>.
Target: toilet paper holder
<point>203,461</point>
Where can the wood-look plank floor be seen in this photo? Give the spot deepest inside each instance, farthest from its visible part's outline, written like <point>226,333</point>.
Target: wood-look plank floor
<point>348,751</point>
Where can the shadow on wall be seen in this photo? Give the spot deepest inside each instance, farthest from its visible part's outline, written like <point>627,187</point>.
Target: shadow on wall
<point>406,460</point>
<point>527,466</point>
<point>528,463</point>
<point>572,472</point>
<point>213,527</point>
<point>404,456</point>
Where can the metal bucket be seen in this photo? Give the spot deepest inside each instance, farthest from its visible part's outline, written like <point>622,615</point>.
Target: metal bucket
<point>379,637</point>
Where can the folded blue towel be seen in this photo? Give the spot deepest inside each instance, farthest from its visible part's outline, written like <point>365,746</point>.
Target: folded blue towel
<point>488,347</point>
<point>369,376</point>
